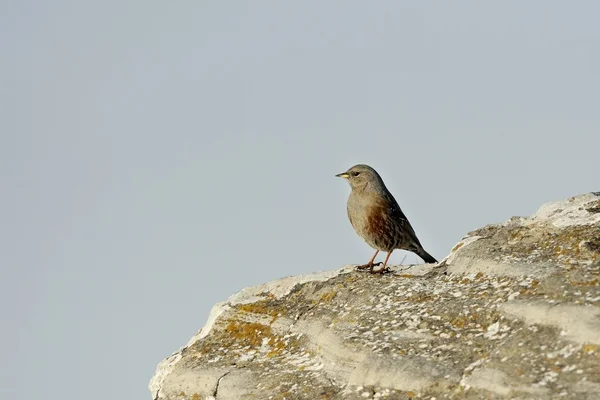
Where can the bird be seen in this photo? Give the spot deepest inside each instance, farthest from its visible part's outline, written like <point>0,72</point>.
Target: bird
<point>376,216</point>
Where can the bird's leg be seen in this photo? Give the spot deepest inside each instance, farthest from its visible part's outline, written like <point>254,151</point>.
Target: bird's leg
<point>383,269</point>
<point>370,264</point>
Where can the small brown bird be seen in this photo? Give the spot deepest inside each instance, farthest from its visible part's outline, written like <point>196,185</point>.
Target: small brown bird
<point>377,217</point>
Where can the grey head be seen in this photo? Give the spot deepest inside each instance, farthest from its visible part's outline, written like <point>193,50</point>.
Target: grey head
<point>363,178</point>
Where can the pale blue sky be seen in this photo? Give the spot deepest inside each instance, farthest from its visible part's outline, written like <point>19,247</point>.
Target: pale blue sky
<point>156,157</point>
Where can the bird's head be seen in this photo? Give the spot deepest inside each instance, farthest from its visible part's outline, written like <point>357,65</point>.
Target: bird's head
<point>361,177</point>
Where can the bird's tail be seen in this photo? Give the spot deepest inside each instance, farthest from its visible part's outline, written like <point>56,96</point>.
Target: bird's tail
<point>428,258</point>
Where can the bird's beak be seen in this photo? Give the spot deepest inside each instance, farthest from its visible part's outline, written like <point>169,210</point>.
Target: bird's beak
<point>344,175</point>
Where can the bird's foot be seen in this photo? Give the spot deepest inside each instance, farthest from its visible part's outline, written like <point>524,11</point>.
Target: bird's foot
<point>382,270</point>
<point>369,266</point>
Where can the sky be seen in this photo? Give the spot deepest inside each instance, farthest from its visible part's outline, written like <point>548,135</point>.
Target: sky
<point>157,157</point>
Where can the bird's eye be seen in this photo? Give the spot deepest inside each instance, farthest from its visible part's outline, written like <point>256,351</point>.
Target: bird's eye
<point>355,173</point>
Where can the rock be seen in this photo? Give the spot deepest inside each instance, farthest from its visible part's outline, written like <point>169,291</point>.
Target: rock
<point>512,313</point>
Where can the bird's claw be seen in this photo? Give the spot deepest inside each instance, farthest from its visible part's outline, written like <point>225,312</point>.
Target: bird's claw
<point>381,271</point>
<point>369,266</point>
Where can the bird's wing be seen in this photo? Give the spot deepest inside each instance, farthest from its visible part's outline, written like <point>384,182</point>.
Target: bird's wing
<point>399,218</point>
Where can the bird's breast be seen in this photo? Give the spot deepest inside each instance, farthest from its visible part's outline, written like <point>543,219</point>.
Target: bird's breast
<point>369,215</point>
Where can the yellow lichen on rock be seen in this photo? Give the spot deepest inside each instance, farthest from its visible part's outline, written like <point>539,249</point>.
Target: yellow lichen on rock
<point>248,333</point>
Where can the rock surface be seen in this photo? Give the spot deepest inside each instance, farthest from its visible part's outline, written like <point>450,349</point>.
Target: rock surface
<point>512,313</point>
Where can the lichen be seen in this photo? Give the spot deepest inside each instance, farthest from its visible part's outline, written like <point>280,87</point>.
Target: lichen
<point>328,296</point>
<point>263,308</point>
<point>458,246</point>
<point>248,333</point>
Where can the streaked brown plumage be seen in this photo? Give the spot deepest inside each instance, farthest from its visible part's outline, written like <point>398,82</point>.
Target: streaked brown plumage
<point>377,217</point>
